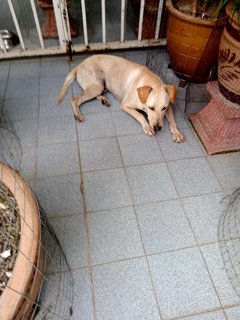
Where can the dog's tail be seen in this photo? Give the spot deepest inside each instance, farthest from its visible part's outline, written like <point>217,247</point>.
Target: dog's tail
<point>68,80</point>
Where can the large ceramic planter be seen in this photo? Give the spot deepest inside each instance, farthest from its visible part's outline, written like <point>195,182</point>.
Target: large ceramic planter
<point>17,299</point>
<point>193,45</point>
<point>229,59</point>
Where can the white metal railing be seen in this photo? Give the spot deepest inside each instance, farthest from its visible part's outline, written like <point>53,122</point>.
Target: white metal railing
<point>64,43</point>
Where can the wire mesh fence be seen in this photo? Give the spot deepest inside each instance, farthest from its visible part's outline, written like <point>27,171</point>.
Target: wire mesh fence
<point>229,238</point>
<point>35,278</point>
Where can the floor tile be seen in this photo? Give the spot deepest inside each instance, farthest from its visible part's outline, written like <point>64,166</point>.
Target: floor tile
<point>204,213</point>
<point>56,130</point>
<point>54,67</point>
<point>26,131</point>
<point>139,149</point>
<point>215,315</point>
<point>214,261</point>
<point>96,126</point>
<point>193,177</point>
<point>51,86</point>
<point>233,313</point>
<point>182,283</point>
<point>57,159</point>
<point>4,71</point>
<point>100,154</point>
<point>83,305</point>
<point>60,196</point>
<point>3,85</point>
<point>157,221</point>
<point>19,89</point>
<point>173,151</point>
<point>227,169</point>
<point>106,189</point>
<point>48,107</point>
<point>123,291</point>
<point>114,235</point>
<point>125,124</point>
<point>25,69</point>
<point>136,56</point>
<point>150,183</point>
<point>71,233</point>
<point>21,108</point>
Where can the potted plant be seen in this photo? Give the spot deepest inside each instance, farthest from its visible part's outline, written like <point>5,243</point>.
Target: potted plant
<point>229,53</point>
<point>218,124</point>
<point>193,38</point>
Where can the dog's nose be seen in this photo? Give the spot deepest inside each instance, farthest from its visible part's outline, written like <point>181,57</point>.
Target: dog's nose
<point>158,128</point>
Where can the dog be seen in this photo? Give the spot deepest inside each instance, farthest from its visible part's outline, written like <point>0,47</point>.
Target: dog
<point>134,86</point>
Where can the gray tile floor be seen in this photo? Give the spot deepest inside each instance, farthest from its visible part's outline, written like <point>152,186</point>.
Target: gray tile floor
<point>142,242</point>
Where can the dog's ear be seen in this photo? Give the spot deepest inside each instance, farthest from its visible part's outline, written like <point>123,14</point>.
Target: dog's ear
<point>143,93</point>
<point>172,91</point>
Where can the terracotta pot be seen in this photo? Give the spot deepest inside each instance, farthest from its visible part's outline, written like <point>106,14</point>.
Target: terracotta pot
<point>49,27</point>
<point>193,45</point>
<point>149,17</point>
<point>229,59</point>
<point>17,299</point>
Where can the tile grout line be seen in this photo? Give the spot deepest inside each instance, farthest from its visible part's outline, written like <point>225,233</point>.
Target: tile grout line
<point>130,205</point>
<point>139,230</point>
<point>86,224</point>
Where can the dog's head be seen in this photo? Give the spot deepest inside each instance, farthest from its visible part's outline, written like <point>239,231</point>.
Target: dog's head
<point>155,103</point>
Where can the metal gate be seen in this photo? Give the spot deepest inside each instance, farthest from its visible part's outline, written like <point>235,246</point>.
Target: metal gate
<point>45,27</point>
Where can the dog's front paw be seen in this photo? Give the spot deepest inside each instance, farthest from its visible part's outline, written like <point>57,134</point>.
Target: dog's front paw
<point>148,130</point>
<point>177,137</point>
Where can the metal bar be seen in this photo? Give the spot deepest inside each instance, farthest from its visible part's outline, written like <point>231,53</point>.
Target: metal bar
<point>159,18</point>
<point>66,24</point>
<point>14,53</point>
<point>142,4</point>
<point>3,44</point>
<point>37,23</point>
<point>84,18</point>
<point>58,18</point>
<point>62,21</point>
<point>103,21</point>
<point>123,6</point>
<point>16,24</point>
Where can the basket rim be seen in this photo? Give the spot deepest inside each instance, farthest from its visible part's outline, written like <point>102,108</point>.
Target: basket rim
<point>18,284</point>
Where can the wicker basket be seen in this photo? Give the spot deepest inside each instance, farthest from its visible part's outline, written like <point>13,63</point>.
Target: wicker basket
<point>17,299</point>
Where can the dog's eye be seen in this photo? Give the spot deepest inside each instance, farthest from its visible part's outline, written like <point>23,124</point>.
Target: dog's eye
<point>151,108</point>
<point>165,108</point>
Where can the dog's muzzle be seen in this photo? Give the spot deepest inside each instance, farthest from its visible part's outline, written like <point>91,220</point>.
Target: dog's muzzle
<point>157,128</point>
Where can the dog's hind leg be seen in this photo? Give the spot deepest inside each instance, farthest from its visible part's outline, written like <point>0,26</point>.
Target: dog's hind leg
<point>89,93</point>
<point>104,100</point>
